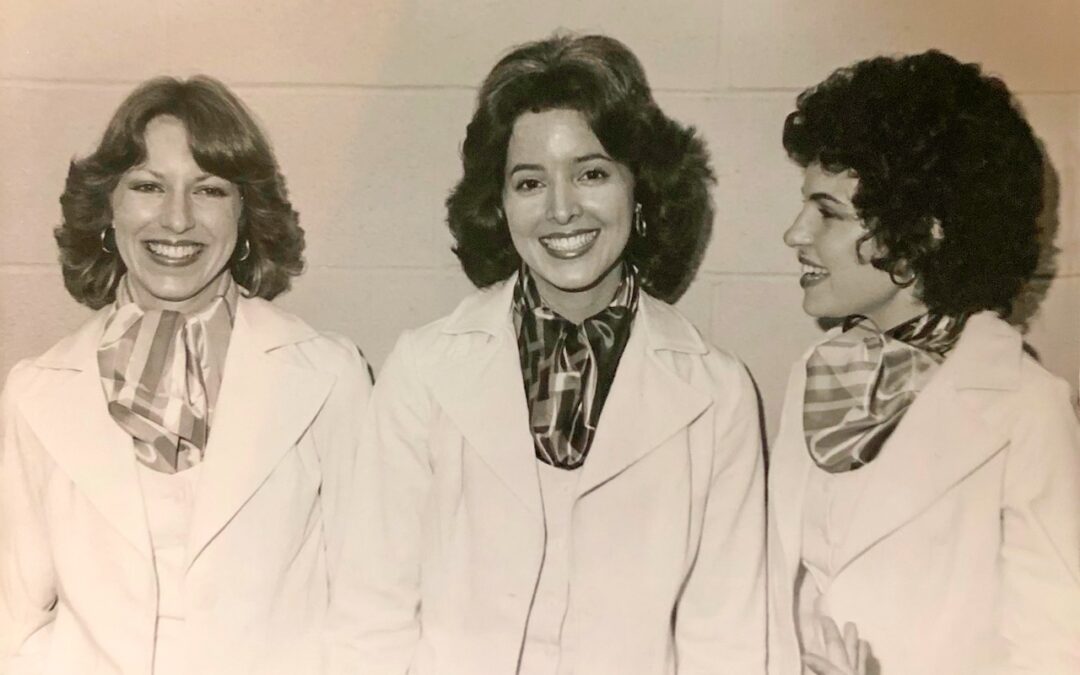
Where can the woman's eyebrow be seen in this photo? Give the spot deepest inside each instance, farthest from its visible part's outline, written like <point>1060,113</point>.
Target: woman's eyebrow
<point>825,197</point>
<point>524,167</point>
<point>591,156</point>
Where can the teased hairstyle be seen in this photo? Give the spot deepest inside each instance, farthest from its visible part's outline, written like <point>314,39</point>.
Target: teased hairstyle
<point>225,141</point>
<point>599,77</point>
<point>932,141</point>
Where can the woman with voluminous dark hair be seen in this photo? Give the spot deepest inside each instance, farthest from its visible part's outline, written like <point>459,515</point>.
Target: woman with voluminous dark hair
<point>171,474</point>
<point>563,475</point>
<point>925,482</point>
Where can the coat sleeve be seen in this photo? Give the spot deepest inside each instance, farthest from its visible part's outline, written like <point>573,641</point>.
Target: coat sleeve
<point>1040,556</point>
<point>374,618</point>
<point>720,621</point>
<point>339,423</point>
<point>27,578</point>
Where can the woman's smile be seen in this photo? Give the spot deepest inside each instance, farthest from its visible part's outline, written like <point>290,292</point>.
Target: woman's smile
<point>569,245</point>
<point>811,272</point>
<point>174,254</point>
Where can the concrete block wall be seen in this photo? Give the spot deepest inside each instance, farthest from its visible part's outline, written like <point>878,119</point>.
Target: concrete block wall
<point>366,103</point>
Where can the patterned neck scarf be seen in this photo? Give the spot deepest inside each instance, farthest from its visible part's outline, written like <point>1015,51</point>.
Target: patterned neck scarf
<point>568,369</point>
<point>860,383</point>
<point>161,372</point>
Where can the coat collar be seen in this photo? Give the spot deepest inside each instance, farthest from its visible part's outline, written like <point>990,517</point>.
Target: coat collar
<point>270,328</point>
<point>493,417</point>
<point>490,310</point>
<point>941,439</point>
<point>264,406</point>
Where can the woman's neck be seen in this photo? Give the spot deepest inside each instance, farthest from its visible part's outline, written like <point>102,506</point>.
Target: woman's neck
<point>579,304</point>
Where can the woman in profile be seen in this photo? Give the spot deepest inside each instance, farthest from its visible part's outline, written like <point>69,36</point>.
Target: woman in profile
<point>925,483</point>
<point>172,471</point>
<point>562,475</point>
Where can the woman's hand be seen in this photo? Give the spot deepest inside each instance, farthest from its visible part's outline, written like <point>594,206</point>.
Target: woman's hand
<point>847,655</point>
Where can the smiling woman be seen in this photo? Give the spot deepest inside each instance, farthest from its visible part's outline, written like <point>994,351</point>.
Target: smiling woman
<point>925,481</point>
<point>143,456</point>
<point>569,207</point>
<point>175,225</point>
<point>562,475</point>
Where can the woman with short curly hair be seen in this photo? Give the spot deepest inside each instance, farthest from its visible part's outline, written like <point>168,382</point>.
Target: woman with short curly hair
<point>172,472</point>
<point>925,483</point>
<point>562,475</point>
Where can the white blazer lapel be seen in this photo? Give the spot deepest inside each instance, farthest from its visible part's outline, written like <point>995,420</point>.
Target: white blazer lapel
<point>648,403</point>
<point>788,471</point>
<point>483,393</point>
<point>941,439</point>
<point>72,421</point>
<point>264,407</point>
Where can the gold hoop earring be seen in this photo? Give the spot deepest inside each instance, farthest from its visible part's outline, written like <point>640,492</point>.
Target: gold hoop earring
<point>640,226</point>
<point>902,283</point>
<point>247,251</point>
<point>105,239</point>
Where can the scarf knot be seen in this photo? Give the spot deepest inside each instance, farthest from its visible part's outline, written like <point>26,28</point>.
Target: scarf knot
<point>161,372</point>
<point>568,368</point>
<point>860,383</point>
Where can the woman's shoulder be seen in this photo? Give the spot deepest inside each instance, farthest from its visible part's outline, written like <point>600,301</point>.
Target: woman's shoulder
<point>684,352</point>
<point>670,331</point>
<point>299,341</point>
<point>480,318</point>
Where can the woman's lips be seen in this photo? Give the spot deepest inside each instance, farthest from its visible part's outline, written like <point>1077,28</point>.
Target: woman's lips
<point>569,245</point>
<point>811,273</point>
<point>173,254</point>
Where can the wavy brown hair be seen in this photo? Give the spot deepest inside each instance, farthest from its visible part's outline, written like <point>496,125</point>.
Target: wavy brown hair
<point>933,142</point>
<point>601,78</point>
<point>225,141</point>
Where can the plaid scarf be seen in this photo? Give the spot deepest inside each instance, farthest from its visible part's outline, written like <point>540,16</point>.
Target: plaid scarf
<point>161,372</point>
<point>568,369</point>
<point>860,383</point>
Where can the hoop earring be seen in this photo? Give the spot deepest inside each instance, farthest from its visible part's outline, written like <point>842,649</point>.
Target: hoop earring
<point>247,251</point>
<point>640,226</point>
<point>902,283</point>
<point>105,238</point>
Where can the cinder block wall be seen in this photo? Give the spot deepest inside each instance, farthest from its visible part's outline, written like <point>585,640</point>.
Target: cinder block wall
<point>366,103</point>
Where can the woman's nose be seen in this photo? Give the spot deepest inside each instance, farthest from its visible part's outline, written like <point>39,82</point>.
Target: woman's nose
<point>563,204</point>
<point>177,217</point>
<point>801,231</point>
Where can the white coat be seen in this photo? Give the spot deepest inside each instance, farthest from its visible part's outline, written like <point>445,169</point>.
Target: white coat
<point>667,537</point>
<point>77,565</point>
<point>963,556</point>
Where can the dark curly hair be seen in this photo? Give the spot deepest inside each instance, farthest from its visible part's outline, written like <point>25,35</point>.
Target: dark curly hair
<point>225,141</point>
<point>599,77</point>
<point>933,142</point>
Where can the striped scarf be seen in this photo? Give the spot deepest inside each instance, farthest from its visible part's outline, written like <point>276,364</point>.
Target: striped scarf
<point>568,369</point>
<point>860,383</point>
<point>161,372</point>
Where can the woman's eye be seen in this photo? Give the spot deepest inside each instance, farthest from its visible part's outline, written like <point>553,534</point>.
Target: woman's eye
<point>212,191</point>
<point>595,174</point>
<point>526,185</point>
<point>145,186</point>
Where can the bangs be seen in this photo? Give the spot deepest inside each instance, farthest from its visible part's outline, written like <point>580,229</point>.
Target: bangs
<point>222,144</point>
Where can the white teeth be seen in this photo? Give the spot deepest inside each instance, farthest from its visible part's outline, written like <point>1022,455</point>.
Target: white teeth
<point>813,269</point>
<point>174,251</point>
<point>571,243</point>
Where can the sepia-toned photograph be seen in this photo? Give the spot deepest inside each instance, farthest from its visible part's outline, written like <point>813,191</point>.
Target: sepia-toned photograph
<point>595,337</point>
